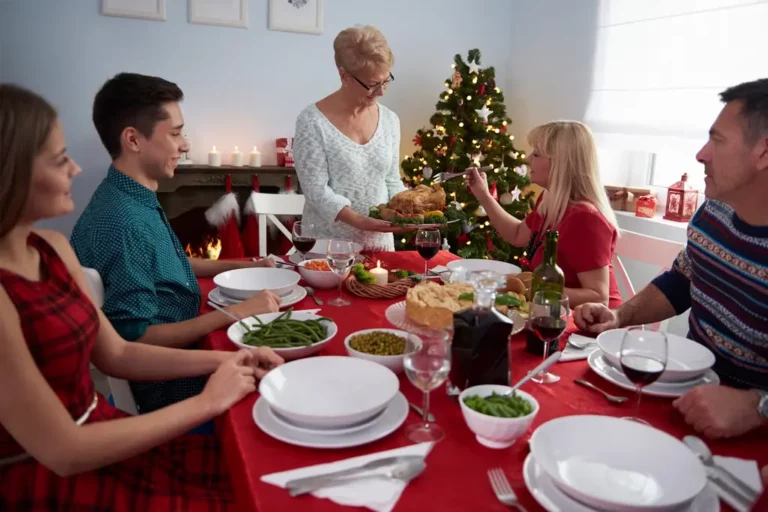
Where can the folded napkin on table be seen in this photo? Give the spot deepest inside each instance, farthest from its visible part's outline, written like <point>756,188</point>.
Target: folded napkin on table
<point>379,494</point>
<point>574,354</point>
<point>747,470</point>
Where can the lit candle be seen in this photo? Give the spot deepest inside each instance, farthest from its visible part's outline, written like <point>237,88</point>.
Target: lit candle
<point>214,158</point>
<point>380,274</point>
<point>254,158</point>
<point>237,158</point>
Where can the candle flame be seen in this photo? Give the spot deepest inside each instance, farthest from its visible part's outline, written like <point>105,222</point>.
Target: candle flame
<point>214,149</point>
<point>378,263</point>
<point>236,150</point>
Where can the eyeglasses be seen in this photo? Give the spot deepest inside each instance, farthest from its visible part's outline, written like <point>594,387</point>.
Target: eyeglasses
<point>381,85</point>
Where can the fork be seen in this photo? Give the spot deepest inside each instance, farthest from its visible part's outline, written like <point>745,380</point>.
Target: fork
<point>445,176</point>
<point>503,490</point>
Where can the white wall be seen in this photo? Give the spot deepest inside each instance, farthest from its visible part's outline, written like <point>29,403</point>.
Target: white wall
<point>242,87</point>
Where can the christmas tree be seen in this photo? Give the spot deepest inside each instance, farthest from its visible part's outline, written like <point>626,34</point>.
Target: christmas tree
<point>469,129</point>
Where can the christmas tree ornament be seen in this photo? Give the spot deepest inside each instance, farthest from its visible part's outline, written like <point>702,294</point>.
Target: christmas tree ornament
<point>417,140</point>
<point>481,90</point>
<point>474,67</point>
<point>441,150</point>
<point>521,170</point>
<point>484,113</point>
<point>427,172</point>
<point>439,134</point>
<point>488,243</point>
<point>456,205</point>
<point>506,198</point>
<point>480,212</point>
<point>494,192</point>
<point>462,240</point>
<point>456,82</point>
<point>503,129</point>
<point>524,264</point>
<point>516,194</point>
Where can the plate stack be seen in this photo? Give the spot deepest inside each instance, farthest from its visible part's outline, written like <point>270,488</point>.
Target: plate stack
<point>588,463</point>
<point>689,364</point>
<point>235,286</point>
<point>330,402</point>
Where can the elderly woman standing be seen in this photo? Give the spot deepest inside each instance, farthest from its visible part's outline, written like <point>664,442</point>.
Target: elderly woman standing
<point>347,146</point>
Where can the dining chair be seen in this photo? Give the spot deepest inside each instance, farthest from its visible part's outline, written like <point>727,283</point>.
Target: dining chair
<point>268,207</point>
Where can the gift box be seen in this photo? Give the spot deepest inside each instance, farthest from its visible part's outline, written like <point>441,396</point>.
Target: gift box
<point>633,195</point>
<point>284,151</point>
<point>617,196</point>
<point>646,206</point>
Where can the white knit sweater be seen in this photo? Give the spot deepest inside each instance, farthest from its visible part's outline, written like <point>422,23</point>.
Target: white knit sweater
<point>335,172</point>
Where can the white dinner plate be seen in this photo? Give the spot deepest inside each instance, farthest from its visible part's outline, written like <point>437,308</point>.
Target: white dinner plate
<point>329,391</point>
<point>606,370</point>
<point>616,464</point>
<point>471,265</point>
<point>296,295</point>
<point>390,420</point>
<point>552,499</point>
<point>236,332</point>
<point>687,360</point>
<point>323,431</point>
<point>243,283</point>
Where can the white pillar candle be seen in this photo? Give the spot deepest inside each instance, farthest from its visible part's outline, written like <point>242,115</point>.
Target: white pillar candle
<point>380,274</point>
<point>254,158</point>
<point>237,158</point>
<point>214,158</point>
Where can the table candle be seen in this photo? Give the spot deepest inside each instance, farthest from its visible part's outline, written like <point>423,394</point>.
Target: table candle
<point>214,158</point>
<point>237,158</point>
<point>380,274</point>
<point>254,158</point>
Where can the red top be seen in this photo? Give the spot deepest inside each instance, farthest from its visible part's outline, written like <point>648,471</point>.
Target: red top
<point>586,242</point>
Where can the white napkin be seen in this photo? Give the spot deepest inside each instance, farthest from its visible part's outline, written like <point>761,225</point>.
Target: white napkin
<point>379,494</point>
<point>747,470</point>
<point>438,270</point>
<point>573,354</point>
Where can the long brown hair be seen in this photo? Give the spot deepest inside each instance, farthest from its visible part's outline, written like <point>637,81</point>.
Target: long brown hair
<point>26,120</point>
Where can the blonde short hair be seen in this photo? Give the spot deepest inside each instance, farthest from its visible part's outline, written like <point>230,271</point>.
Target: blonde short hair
<point>363,48</point>
<point>574,176</point>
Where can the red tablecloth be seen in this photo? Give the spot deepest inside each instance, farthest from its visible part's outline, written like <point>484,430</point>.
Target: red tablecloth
<point>456,476</point>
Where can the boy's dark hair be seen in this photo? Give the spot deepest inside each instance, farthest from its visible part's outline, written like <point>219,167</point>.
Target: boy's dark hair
<point>754,106</point>
<point>130,99</point>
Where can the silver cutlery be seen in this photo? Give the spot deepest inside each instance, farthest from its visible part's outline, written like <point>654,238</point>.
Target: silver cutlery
<point>503,490</point>
<point>311,293</point>
<point>445,176</point>
<point>418,410</point>
<point>580,342</point>
<point>278,262</point>
<point>230,315</point>
<point>701,450</point>
<point>611,398</point>
<point>400,468</point>
<point>543,366</point>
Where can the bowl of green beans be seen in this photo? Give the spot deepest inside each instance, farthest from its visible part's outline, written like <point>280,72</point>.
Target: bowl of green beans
<point>496,415</point>
<point>383,346</point>
<point>291,334</point>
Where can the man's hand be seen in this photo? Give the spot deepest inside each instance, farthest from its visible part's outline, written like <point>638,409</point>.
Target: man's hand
<point>595,317</point>
<point>720,411</point>
<point>264,359</point>
<point>263,262</point>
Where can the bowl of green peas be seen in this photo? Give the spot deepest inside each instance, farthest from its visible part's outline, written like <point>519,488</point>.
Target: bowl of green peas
<point>383,346</point>
<point>497,415</point>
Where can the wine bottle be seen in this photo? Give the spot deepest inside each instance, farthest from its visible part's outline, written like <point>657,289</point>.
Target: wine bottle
<point>547,277</point>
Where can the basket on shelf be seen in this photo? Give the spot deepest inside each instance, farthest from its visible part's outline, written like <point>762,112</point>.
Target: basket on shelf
<point>395,288</point>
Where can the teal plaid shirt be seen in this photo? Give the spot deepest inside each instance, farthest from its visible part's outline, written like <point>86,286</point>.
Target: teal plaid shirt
<point>124,234</point>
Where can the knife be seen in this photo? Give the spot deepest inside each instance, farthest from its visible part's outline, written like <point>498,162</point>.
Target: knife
<point>728,489</point>
<point>374,464</point>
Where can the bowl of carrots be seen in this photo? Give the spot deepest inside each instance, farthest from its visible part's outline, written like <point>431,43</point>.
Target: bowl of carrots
<point>318,274</point>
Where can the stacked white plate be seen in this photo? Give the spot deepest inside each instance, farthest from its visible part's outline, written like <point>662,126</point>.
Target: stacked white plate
<point>330,402</point>
<point>462,269</point>
<point>235,286</point>
<point>587,463</point>
<point>689,364</point>
<point>320,250</point>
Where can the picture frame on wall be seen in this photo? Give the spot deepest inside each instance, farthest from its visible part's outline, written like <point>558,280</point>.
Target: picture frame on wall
<point>303,16</point>
<point>139,9</point>
<point>223,13</point>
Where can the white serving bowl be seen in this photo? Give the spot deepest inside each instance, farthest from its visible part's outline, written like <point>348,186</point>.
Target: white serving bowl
<point>500,267</point>
<point>615,464</point>
<point>686,359</point>
<point>243,283</point>
<point>329,391</point>
<point>323,279</point>
<point>394,363</point>
<point>492,431</point>
<point>236,332</point>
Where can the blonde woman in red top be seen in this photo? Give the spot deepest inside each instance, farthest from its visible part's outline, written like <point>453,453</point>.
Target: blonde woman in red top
<point>564,163</point>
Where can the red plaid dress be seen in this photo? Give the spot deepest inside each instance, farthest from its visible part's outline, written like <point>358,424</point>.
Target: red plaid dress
<point>60,326</point>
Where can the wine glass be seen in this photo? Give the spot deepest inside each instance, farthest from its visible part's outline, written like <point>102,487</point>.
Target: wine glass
<point>643,360</point>
<point>340,258</point>
<point>304,237</point>
<point>549,318</point>
<point>427,362</point>
<point>427,245</point>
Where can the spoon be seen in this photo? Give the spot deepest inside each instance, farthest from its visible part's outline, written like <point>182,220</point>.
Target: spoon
<point>700,448</point>
<point>611,398</point>
<point>404,470</point>
<point>579,342</point>
<point>311,293</point>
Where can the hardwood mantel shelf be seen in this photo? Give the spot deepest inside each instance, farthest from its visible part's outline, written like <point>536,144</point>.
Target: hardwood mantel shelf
<point>209,176</point>
<point>229,169</point>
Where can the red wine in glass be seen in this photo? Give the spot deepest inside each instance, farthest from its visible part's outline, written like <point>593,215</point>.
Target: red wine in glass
<point>428,250</point>
<point>641,370</point>
<point>427,245</point>
<point>548,328</point>
<point>304,244</point>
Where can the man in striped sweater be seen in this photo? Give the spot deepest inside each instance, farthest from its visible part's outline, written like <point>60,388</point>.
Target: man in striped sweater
<point>722,274</point>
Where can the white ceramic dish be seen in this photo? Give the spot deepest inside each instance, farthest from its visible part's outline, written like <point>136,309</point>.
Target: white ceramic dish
<point>394,363</point>
<point>322,279</point>
<point>475,265</point>
<point>323,431</point>
<point>296,295</point>
<point>320,250</point>
<point>552,499</point>
<point>330,391</point>
<point>243,283</point>
<point>236,332</point>
<point>686,359</point>
<point>390,420</point>
<point>606,370</point>
<point>616,464</point>
<point>396,315</point>
<point>496,432</point>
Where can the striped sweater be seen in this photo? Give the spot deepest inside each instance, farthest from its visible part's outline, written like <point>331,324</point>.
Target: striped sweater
<point>722,276</point>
